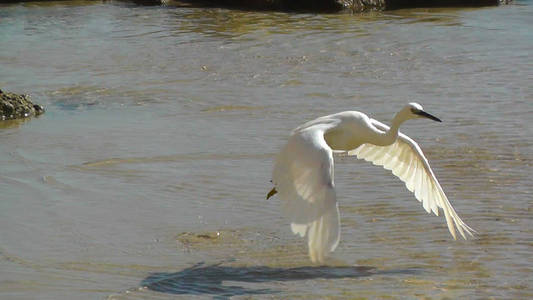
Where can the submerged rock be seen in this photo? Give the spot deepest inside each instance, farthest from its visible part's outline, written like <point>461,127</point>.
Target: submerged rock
<point>14,106</point>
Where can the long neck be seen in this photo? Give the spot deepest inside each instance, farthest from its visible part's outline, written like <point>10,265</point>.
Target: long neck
<point>390,136</point>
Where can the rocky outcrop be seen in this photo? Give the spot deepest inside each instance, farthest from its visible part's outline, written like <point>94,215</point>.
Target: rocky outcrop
<point>14,106</point>
<point>326,5</point>
<point>397,4</point>
<point>313,5</point>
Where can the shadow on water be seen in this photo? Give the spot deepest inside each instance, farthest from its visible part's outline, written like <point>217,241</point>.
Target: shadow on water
<point>202,280</point>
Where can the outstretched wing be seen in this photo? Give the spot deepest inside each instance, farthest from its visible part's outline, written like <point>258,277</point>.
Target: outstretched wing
<point>303,176</point>
<point>407,161</point>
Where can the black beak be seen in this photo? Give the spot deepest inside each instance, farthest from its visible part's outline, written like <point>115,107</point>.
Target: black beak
<point>426,115</point>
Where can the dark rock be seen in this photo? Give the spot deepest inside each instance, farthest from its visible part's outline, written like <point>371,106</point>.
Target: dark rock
<point>14,106</point>
<point>326,5</point>
<point>312,5</point>
<point>397,4</point>
<point>284,5</point>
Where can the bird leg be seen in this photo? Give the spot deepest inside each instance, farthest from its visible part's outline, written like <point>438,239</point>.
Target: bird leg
<point>271,193</point>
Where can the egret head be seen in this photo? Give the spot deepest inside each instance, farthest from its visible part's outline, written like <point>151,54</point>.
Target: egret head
<point>416,111</point>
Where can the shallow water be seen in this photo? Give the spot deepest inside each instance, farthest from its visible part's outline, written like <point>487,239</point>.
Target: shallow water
<point>146,176</point>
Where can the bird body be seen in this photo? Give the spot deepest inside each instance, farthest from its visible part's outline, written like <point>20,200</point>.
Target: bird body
<point>303,173</point>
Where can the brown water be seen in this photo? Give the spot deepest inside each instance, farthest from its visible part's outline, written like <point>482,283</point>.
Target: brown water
<point>146,177</point>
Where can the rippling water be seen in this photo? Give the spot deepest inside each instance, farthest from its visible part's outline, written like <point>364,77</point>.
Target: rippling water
<point>147,175</point>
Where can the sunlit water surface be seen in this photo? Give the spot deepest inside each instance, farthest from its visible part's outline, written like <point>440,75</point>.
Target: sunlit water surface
<point>146,177</point>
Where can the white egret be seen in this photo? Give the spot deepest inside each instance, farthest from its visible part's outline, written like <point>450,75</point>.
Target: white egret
<point>303,172</point>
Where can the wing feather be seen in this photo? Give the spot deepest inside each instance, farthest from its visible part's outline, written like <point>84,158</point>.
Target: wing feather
<point>303,176</point>
<point>407,161</point>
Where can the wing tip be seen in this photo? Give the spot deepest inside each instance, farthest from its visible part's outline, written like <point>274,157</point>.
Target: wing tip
<point>465,230</point>
<point>299,229</point>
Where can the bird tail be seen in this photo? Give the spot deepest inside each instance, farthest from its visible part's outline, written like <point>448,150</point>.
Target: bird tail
<point>323,234</point>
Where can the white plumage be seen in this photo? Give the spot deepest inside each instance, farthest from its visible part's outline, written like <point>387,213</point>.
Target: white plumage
<point>303,173</point>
